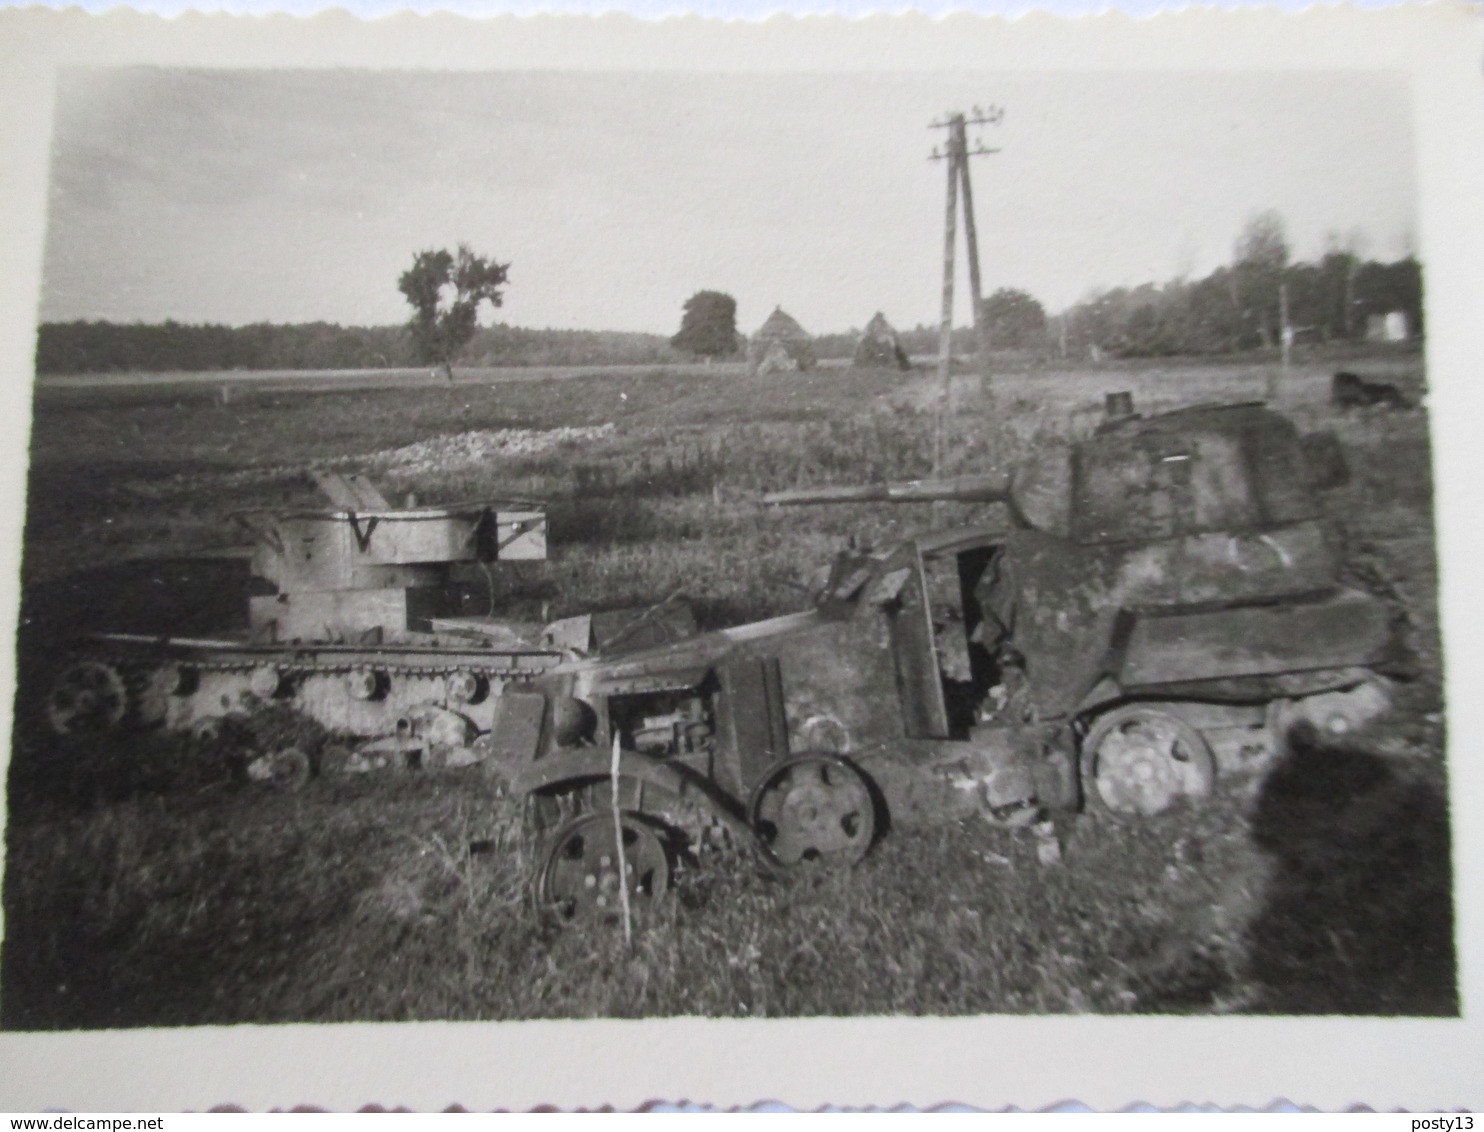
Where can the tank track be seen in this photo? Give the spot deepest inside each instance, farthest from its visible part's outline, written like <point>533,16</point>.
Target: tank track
<point>179,683</point>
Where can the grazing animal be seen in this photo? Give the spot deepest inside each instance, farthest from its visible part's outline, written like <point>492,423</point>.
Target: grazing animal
<point>1351,391</point>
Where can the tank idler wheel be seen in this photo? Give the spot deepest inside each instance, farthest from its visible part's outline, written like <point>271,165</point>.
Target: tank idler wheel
<point>580,875</point>
<point>1141,759</point>
<point>814,809</point>
<point>88,696</point>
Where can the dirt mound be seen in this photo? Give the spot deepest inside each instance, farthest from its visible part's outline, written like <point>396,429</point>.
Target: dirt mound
<point>462,449</point>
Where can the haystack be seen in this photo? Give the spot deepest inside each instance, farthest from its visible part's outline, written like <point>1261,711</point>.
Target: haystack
<point>780,344</point>
<point>879,348</point>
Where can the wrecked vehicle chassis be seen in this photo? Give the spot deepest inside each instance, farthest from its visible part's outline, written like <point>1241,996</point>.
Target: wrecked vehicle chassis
<point>814,731</point>
<point>1162,607</point>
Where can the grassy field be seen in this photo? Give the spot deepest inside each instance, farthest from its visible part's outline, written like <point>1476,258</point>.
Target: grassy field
<point>145,887</point>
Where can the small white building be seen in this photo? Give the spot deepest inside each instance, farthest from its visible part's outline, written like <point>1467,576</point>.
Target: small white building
<point>1389,327</point>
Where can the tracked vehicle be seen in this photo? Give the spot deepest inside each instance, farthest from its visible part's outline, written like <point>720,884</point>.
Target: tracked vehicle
<point>358,626</point>
<point>1165,597</point>
<point>1161,605</point>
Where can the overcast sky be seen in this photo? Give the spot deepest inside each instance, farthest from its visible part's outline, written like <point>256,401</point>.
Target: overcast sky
<point>296,196</point>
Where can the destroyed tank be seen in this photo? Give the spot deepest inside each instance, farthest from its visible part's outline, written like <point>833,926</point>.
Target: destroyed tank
<point>358,629</point>
<point>1165,602</point>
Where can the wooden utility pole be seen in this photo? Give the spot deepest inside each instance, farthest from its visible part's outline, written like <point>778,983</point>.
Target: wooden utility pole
<point>1285,329</point>
<point>1285,338</point>
<point>1351,268</point>
<point>945,329</point>
<point>971,238</point>
<point>957,153</point>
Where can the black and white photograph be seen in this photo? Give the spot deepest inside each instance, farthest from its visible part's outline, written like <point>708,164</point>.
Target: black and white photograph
<point>567,544</point>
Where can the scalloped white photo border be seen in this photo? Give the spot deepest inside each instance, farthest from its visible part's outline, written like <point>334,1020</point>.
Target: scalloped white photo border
<point>1105,1063</point>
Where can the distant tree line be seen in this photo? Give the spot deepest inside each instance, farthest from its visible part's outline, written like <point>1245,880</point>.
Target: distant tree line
<point>524,346</point>
<point>1239,305</point>
<point>100,347</point>
<point>919,341</point>
<point>103,347</point>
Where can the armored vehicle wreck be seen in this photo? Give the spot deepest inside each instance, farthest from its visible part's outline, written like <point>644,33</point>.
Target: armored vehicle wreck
<point>1165,599</point>
<point>358,629</point>
<point>1164,606</point>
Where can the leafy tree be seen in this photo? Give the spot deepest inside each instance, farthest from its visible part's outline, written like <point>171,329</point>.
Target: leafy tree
<point>709,325</point>
<point>1263,243</point>
<point>445,292</point>
<point>1332,294</point>
<point>1312,295</point>
<point>1015,319</point>
<point>1261,254</point>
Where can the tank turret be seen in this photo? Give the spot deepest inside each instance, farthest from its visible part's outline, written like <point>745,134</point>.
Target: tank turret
<point>1227,468</point>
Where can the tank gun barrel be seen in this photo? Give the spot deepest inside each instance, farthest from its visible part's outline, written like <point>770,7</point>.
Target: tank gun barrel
<point>961,489</point>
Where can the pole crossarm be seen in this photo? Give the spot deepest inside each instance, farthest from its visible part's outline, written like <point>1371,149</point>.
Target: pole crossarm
<point>977,151</point>
<point>957,146</point>
<point>981,116</point>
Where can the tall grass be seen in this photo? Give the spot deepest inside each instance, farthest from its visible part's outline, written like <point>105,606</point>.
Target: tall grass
<point>405,900</point>
<point>254,909</point>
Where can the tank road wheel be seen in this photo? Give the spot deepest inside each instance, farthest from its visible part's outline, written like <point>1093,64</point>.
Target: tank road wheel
<point>287,770</point>
<point>466,688</point>
<point>579,878</point>
<point>361,684</point>
<point>815,808</point>
<point>1141,759</point>
<point>267,682</point>
<point>88,696</point>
